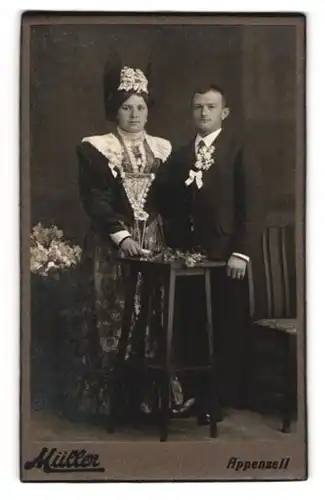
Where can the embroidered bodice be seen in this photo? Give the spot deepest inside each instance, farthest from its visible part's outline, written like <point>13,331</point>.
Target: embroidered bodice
<point>135,157</point>
<point>133,160</point>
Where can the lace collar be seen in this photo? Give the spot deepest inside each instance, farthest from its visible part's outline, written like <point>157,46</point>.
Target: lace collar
<point>109,144</point>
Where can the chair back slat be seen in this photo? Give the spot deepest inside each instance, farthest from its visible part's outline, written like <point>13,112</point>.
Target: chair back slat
<point>276,265</point>
<point>267,271</point>
<point>251,290</point>
<point>278,278</point>
<point>284,250</point>
<point>276,271</point>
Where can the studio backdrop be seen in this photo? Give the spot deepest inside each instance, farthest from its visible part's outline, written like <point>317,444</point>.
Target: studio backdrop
<point>254,64</point>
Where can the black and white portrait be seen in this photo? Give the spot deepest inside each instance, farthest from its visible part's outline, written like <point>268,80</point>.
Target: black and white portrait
<point>163,170</point>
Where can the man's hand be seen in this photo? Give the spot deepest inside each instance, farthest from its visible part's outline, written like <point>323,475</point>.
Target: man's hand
<point>236,267</point>
<point>130,248</point>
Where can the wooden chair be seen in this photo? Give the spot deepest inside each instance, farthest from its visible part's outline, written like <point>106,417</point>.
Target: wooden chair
<point>279,322</point>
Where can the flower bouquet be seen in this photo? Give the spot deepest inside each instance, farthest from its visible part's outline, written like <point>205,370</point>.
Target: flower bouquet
<point>53,266</point>
<point>49,253</point>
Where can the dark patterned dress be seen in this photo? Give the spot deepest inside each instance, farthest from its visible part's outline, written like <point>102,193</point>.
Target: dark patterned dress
<point>103,278</point>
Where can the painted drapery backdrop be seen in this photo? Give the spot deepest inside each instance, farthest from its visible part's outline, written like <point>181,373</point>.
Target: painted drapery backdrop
<point>254,64</point>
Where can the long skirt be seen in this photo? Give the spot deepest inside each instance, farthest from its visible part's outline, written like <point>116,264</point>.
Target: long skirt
<point>101,299</point>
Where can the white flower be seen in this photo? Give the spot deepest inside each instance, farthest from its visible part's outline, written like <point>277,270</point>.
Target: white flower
<point>35,266</point>
<point>199,164</point>
<point>133,79</point>
<point>49,252</point>
<point>141,215</point>
<point>115,159</point>
<point>204,158</point>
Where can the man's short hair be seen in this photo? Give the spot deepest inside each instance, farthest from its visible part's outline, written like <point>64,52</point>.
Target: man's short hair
<point>207,88</point>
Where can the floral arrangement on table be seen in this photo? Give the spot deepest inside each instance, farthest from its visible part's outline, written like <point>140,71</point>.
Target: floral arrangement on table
<point>50,253</point>
<point>188,259</point>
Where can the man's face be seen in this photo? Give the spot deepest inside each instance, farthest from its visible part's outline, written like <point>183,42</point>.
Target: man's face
<point>208,112</point>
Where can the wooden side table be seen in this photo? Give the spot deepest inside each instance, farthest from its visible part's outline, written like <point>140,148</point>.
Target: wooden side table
<point>157,274</point>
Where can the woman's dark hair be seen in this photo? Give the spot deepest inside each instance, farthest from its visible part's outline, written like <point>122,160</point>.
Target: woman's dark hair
<point>114,98</point>
<point>207,88</point>
<point>114,101</point>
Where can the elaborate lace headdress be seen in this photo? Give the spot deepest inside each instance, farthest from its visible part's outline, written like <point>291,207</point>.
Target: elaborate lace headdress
<point>121,79</point>
<point>133,79</point>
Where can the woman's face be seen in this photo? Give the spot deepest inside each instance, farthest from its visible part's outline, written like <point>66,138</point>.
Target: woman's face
<point>132,114</point>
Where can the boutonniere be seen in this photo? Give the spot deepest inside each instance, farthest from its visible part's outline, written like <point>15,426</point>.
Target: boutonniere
<point>204,160</point>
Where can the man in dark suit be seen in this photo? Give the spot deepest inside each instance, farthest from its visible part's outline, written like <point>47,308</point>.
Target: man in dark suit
<point>208,202</point>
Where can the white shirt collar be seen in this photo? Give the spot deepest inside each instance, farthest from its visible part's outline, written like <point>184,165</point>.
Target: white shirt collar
<point>130,137</point>
<point>208,139</point>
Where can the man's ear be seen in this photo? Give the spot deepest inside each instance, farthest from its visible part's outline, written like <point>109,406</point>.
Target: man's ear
<point>225,112</point>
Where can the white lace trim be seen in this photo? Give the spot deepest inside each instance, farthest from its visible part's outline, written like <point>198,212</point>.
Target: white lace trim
<point>109,144</point>
<point>160,147</point>
<point>105,144</point>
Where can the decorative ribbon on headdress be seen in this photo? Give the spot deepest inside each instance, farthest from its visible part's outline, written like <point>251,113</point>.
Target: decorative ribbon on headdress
<point>133,79</point>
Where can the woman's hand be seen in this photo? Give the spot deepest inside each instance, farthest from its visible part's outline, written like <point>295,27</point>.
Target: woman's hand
<point>130,248</point>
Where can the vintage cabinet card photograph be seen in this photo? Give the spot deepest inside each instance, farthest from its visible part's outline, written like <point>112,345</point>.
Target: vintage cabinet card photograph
<point>162,247</point>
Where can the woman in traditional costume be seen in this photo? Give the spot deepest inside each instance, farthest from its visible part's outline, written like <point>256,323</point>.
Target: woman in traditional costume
<point>117,170</point>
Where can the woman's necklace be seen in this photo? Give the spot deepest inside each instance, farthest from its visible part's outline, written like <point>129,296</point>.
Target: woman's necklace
<point>137,155</point>
<point>134,146</point>
<point>137,183</point>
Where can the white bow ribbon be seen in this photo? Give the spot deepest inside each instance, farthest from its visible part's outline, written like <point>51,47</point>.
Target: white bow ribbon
<point>195,176</point>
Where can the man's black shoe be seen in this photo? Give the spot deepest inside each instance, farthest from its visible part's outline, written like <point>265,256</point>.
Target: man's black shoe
<point>205,418</point>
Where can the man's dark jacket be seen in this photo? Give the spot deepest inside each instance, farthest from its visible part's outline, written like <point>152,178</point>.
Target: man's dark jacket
<point>221,217</point>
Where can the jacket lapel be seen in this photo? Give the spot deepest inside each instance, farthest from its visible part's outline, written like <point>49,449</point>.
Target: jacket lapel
<point>189,159</point>
<point>219,153</point>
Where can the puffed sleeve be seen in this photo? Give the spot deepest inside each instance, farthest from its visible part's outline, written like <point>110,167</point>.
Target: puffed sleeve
<point>97,193</point>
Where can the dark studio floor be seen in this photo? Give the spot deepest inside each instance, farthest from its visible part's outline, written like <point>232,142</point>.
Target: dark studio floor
<point>237,424</point>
